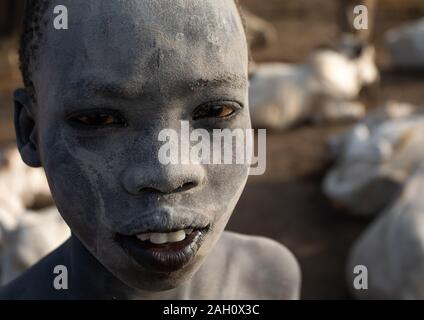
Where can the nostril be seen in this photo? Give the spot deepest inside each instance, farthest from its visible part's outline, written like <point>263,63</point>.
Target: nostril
<point>162,180</point>
<point>146,190</point>
<point>186,186</point>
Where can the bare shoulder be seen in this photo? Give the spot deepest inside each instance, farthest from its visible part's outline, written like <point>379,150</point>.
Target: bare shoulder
<point>265,268</point>
<point>36,283</point>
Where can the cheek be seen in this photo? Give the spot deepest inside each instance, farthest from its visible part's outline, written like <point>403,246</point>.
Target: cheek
<point>77,186</point>
<point>77,200</point>
<point>225,189</point>
<point>226,183</point>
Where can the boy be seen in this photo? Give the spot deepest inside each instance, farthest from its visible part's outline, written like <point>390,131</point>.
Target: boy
<point>96,97</point>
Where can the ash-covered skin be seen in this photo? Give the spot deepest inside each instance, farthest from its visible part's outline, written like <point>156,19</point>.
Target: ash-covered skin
<point>151,64</point>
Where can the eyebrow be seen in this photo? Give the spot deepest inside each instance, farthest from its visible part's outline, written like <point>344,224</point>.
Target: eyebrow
<point>230,80</point>
<point>89,87</point>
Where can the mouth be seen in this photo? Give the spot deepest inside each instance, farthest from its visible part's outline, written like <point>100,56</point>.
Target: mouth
<point>163,251</point>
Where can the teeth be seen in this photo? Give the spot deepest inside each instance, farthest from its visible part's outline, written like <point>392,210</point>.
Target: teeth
<point>162,238</point>
<point>176,236</point>
<point>158,238</point>
<point>144,236</point>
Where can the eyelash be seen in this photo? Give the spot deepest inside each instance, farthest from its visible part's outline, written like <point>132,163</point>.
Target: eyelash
<point>223,103</point>
<point>75,119</point>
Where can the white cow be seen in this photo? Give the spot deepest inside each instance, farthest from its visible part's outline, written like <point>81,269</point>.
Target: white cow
<point>392,248</point>
<point>25,235</point>
<point>35,235</point>
<point>375,159</point>
<point>380,172</point>
<point>324,88</point>
<point>20,186</point>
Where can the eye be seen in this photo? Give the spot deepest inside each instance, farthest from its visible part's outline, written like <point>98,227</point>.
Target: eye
<point>97,119</point>
<point>216,110</point>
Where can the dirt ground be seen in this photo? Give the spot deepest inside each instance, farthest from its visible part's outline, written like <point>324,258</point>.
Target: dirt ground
<point>286,203</point>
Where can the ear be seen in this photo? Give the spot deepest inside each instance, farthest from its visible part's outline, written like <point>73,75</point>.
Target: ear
<point>25,126</point>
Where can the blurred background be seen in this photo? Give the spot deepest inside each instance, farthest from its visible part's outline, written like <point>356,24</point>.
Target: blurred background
<point>291,203</point>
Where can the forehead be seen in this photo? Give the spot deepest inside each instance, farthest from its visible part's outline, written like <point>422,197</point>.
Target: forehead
<point>141,41</point>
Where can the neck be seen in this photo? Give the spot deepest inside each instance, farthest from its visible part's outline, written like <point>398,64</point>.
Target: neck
<point>89,279</point>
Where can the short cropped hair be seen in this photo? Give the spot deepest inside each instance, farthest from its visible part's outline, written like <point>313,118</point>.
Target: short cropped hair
<point>35,20</point>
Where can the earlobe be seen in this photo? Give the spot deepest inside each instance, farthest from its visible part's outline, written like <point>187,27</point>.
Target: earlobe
<point>25,127</point>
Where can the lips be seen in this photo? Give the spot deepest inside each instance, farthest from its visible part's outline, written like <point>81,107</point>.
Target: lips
<point>163,251</point>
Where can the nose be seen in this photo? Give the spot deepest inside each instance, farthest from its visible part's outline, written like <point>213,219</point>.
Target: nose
<point>165,179</point>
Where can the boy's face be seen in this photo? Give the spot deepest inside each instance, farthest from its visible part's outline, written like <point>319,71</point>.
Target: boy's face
<point>105,88</point>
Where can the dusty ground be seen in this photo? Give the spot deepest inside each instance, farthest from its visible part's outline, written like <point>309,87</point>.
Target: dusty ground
<point>287,203</point>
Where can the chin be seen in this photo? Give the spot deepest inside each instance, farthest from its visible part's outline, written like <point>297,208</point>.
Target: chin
<point>157,282</point>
